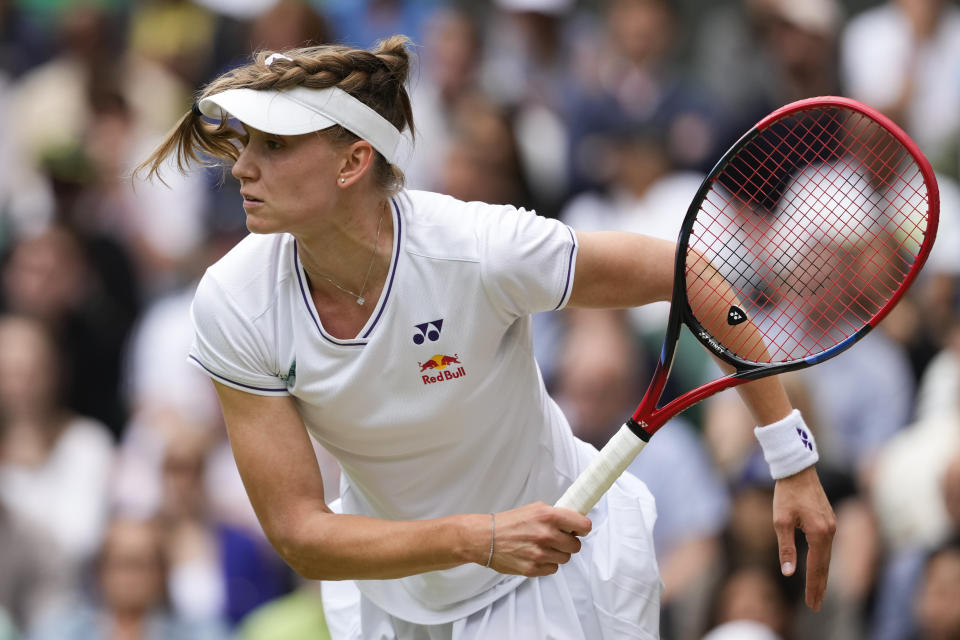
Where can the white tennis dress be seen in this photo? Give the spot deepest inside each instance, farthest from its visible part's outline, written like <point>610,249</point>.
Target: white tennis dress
<point>437,407</point>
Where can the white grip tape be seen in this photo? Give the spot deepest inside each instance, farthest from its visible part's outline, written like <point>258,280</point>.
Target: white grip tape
<point>602,472</point>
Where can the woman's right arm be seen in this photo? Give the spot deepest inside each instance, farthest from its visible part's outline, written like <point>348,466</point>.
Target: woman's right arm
<point>283,481</point>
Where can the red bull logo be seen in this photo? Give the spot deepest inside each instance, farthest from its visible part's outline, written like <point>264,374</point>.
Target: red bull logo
<point>442,365</point>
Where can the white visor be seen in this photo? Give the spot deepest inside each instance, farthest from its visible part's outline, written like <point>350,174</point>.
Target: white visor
<point>300,110</point>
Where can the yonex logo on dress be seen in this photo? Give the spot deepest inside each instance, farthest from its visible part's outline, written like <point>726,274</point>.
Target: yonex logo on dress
<point>429,330</point>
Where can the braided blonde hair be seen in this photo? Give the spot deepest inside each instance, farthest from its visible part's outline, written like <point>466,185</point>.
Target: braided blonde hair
<point>375,77</point>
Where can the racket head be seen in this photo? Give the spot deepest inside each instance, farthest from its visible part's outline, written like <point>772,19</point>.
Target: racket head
<point>817,221</point>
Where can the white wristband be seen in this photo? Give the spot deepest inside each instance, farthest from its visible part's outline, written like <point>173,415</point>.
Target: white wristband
<point>788,446</point>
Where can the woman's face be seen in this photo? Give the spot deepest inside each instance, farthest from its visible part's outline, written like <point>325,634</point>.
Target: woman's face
<point>131,567</point>
<point>288,183</point>
<point>28,366</point>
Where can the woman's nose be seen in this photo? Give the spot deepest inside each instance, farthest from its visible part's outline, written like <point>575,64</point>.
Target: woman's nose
<point>245,167</point>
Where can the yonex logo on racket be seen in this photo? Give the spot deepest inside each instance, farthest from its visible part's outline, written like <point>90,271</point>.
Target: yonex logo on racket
<point>735,316</point>
<point>710,341</point>
<point>428,330</point>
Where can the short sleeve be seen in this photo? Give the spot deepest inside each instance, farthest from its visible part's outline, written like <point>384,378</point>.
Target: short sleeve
<point>527,261</point>
<point>228,346</point>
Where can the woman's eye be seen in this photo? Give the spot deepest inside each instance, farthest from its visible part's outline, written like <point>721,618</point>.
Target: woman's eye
<point>273,145</point>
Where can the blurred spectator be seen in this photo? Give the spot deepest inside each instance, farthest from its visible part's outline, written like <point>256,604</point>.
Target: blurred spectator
<point>902,574</point>
<point>792,51</point>
<point>178,34</point>
<point>741,630</point>
<point>181,475</point>
<point>242,10</point>
<point>33,583</point>
<point>131,579</point>
<point>637,81</point>
<point>802,40</point>
<point>530,63</point>
<point>157,228</point>
<point>922,322</point>
<point>50,102</point>
<point>909,504</point>
<point>85,118</point>
<point>482,160</point>
<point>157,376</point>
<point>642,192</point>
<point>196,586</point>
<point>22,43</point>
<point>938,616</point>
<point>853,426</point>
<point>26,199</point>
<point>752,593</point>
<point>288,24</point>
<point>50,277</point>
<point>361,23</point>
<point>598,373</point>
<point>55,466</point>
<point>448,78</point>
<point>903,57</point>
<point>749,537</point>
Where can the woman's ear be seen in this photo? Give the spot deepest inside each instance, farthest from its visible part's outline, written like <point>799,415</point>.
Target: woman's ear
<point>357,161</point>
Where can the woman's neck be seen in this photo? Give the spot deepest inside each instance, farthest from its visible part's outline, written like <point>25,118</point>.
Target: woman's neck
<point>351,257</point>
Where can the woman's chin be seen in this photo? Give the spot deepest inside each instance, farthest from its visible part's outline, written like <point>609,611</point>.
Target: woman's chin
<point>255,224</point>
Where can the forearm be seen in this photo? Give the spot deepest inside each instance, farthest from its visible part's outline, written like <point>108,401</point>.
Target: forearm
<point>329,546</point>
<point>766,399</point>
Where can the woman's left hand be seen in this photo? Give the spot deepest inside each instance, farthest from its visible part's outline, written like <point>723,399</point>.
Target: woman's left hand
<point>799,502</point>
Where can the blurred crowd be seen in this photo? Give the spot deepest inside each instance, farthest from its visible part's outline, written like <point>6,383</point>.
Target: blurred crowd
<point>122,515</point>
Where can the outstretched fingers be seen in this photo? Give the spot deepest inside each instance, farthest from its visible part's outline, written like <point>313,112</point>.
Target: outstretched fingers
<point>799,502</point>
<point>819,534</point>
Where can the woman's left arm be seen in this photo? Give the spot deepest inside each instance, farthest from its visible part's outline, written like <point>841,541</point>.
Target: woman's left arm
<point>620,270</point>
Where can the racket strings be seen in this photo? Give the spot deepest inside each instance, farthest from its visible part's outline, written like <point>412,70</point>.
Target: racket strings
<point>819,199</point>
<point>808,230</point>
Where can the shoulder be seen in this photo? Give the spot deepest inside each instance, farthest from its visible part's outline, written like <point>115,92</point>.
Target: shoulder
<point>443,227</point>
<point>249,275</point>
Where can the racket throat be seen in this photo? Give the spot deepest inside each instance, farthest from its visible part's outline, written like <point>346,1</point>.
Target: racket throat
<point>639,429</point>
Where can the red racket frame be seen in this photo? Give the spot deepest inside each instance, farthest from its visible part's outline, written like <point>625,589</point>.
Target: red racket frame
<point>648,417</point>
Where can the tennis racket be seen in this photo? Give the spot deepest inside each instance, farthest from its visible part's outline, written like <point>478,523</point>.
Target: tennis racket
<point>800,240</point>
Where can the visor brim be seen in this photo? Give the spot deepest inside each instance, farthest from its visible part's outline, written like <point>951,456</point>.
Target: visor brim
<point>267,111</point>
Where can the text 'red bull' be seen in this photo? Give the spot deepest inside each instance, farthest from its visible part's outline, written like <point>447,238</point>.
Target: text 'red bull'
<point>439,363</point>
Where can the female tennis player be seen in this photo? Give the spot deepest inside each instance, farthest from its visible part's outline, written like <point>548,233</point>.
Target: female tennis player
<point>394,327</point>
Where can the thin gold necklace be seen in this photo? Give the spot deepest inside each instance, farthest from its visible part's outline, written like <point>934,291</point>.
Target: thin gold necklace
<point>376,244</point>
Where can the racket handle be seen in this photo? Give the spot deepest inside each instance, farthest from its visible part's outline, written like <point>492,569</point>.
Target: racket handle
<point>602,472</point>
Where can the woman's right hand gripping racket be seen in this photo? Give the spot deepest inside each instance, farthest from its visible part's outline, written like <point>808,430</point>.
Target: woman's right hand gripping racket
<point>800,240</point>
